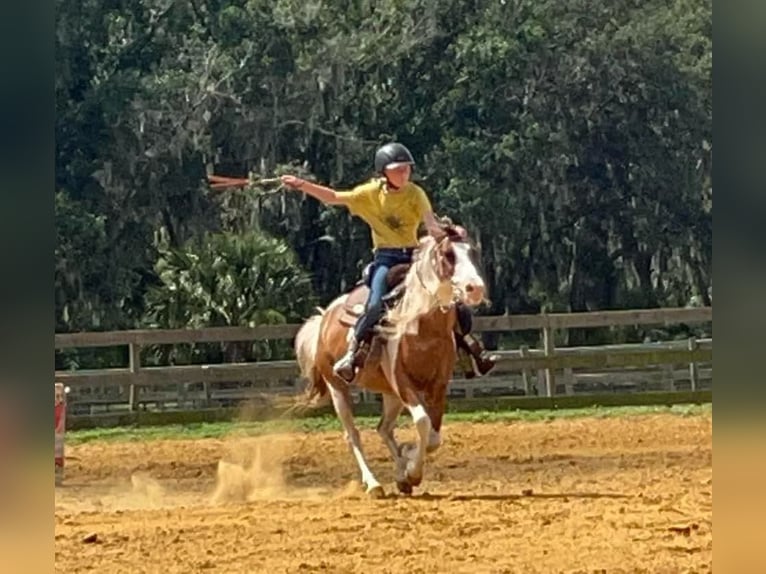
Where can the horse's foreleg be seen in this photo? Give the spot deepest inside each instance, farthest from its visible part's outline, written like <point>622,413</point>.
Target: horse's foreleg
<point>392,407</point>
<point>400,382</point>
<point>342,403</point>
<point>417,459</point>
<point>436,401</point>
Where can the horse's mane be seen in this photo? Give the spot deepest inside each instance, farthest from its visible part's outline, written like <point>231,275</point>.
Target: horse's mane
<point>418,299</point>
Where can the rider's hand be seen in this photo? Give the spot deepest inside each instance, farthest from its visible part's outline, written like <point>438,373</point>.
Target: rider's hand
<point>438,233</point>
<point>292,181</point>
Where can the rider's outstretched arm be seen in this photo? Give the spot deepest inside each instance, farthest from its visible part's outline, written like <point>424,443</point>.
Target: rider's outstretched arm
<point>324,194</point>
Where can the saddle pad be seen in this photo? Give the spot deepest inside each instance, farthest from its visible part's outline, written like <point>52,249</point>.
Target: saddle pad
<point>354,305</point>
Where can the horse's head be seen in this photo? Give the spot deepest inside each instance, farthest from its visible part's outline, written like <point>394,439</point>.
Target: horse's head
<point>447,267</point>
<point>456,258</point>
<point>443,273</point>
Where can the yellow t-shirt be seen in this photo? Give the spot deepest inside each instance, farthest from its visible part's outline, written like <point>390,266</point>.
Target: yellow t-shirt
<point>393,217</point>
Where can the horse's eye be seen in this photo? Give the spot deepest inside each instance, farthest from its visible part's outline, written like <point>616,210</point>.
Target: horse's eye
<point>450,257</point>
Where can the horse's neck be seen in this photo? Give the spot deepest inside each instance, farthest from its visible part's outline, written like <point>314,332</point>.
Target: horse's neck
<point>434,324</point>
<point>437,322</point>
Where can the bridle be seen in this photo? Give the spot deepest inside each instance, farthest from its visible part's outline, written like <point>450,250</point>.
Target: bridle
<point>457,292</point>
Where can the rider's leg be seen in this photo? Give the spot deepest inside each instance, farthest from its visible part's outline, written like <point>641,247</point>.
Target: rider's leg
<point>373,311</point>
<point>479,361</point>
<point>356,354</point>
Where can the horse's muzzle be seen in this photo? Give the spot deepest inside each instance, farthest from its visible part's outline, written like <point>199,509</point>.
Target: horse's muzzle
<point>473,293</point>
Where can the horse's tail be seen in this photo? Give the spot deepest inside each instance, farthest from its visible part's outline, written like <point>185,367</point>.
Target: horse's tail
<point>306,345</point>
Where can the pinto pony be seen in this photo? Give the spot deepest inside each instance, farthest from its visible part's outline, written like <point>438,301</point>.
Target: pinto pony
<point>415,359</point>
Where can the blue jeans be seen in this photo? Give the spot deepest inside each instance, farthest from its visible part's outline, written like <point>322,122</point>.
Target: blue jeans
<point>384,260</point>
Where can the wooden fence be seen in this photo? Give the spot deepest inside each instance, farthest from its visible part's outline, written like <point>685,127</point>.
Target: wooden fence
<point>524,371</point>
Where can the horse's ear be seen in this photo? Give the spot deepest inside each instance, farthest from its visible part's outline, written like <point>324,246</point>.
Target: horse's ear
<point>456,233</point>
<point>445,221</point>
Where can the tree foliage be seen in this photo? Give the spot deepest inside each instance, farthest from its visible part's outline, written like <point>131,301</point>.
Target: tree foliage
<point>574,139</point>
<point>226,280</point>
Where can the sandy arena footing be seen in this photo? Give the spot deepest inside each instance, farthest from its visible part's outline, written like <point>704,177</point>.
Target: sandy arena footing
<point>611,495</point>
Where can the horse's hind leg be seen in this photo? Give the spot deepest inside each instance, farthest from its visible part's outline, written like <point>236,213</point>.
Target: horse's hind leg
<point>392,407</point>
<point>341,400</point>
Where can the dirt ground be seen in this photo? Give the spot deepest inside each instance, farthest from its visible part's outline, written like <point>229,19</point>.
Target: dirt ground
<point>629,494</point>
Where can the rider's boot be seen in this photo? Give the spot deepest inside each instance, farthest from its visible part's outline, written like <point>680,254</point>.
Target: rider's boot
<point>479,360</point>
<point>354,359</point>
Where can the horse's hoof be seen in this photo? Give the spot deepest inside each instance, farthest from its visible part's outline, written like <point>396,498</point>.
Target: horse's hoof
<point>414,481</point>
<point>404,486</point>
<point>376,492</point>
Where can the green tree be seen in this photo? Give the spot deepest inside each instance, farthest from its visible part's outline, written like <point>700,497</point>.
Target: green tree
<point>227,279</point>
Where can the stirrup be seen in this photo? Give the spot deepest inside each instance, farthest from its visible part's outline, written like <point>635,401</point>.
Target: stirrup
<point>484,363</point>
<point>344,367</point>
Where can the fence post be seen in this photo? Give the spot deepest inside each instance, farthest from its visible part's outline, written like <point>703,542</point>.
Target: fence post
<point>524,350</point>
<point>569,381</point>
<point>693,367</point>
<point>134,363</point>
<point>206,400</point>
<point>669,377</point>
<point>549,348</point>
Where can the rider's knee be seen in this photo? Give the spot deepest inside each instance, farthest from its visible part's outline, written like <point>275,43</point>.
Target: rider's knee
<point>375,308</point>
<point>367,274</point>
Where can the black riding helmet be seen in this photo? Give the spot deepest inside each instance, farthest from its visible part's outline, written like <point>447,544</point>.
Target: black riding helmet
<point>392,153</point>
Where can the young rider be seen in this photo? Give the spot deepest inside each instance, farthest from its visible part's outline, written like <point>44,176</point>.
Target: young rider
<point>393,207</point>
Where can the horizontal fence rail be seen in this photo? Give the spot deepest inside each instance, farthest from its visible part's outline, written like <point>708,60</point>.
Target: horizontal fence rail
<point>500,323</point>
<point>509,361</point>
<point>279,376</point>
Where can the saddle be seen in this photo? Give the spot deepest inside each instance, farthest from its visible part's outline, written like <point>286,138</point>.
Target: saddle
<point>357,297</point>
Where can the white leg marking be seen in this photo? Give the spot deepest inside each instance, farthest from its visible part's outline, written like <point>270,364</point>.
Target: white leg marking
<point>423,425</point>
<point>414,468</point>
<point>342,407</point>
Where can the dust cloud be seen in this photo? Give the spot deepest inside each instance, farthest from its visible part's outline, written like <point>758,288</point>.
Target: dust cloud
<point>256,472</point>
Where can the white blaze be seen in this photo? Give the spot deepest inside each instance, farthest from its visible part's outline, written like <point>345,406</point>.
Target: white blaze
<point>466,276</point>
